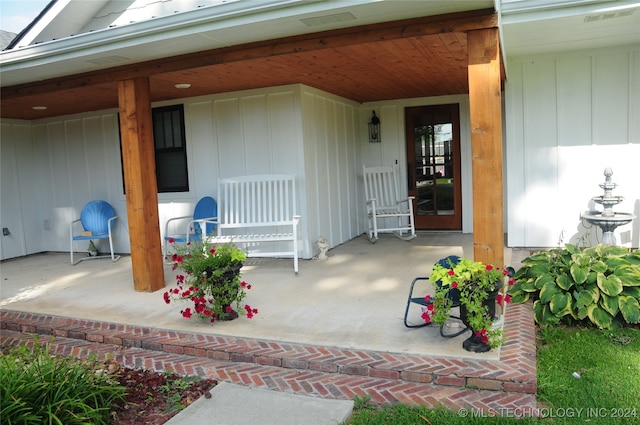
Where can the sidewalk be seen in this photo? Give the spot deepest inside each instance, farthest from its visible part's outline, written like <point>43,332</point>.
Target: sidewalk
<point>232,404</point>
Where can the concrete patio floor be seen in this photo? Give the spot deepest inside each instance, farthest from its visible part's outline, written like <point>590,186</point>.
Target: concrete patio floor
<point>355,299</point>
<point>349,307</point>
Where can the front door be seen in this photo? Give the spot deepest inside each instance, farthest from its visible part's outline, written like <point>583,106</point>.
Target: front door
<point>433,153</point>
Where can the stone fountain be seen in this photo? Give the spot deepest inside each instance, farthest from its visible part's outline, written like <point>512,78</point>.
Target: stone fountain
<point>608,220</point>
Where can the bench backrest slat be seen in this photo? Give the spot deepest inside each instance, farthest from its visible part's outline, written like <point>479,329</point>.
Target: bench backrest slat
<point>256,200</point>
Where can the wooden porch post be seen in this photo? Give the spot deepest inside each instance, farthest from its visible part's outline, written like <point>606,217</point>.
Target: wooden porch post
<point>138,155</point>
<point>486,145</point>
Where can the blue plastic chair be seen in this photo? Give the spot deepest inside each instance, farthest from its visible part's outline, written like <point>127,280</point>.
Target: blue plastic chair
<point>97,219</point>
<point>205,216</point>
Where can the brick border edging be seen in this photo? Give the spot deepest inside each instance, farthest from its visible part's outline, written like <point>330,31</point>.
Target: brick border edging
<point>514,372</point>
<point>303,382</point>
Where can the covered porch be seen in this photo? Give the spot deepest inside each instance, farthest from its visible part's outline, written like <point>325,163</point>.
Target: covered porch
<point>425,53</point>
<point>342,317</point>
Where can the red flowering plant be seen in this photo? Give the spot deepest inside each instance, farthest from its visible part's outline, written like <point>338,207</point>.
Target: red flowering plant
<point>211,280</point>
<point>470,284</point>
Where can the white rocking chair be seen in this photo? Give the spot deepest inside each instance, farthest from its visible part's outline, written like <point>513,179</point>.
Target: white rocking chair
<point>383,205</point>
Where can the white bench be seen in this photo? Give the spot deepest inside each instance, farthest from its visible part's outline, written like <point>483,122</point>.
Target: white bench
<point>259,209</point>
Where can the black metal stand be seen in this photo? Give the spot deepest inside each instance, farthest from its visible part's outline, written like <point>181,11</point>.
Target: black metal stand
<point>422,302</point>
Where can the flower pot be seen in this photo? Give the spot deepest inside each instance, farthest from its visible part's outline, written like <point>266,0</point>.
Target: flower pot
<point>232,272</point>
<point>229,274</point>
<point>474,344</point>
<point>489,303</point>
<point>229,314</point>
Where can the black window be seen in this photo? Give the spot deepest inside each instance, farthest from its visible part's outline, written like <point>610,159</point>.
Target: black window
<point>171,152</point>
<point>170,149</point>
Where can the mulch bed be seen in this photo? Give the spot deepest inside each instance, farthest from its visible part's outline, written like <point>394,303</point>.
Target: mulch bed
<point>152,398</point>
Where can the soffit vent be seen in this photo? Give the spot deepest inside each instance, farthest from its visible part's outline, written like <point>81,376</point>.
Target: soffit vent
<point>609,15</point>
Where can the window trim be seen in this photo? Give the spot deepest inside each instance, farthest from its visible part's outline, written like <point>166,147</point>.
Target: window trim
<point>164,190</point>
<point>183,148</point>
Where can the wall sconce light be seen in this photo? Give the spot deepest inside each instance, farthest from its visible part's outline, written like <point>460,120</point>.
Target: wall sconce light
<point>374,129</point>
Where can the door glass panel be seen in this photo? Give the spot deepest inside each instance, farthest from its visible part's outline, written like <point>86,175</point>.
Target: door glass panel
<point>432,135</point>
<point>434,167</point>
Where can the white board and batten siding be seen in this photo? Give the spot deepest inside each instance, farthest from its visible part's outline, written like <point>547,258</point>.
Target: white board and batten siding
<point>569,116</point>
<point>52,167</point>
<point>330,136</point>
<point>392,150</point>
<point>284,130</point>
<point>57,166</point>
<point>16,166</point>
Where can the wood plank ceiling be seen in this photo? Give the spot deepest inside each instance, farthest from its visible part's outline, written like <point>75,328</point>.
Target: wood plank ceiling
<point>415,58</point>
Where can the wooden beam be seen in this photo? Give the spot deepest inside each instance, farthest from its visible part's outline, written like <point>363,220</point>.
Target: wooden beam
<point>138,154</point>
<point>417,27</point>
<point>485,103</point>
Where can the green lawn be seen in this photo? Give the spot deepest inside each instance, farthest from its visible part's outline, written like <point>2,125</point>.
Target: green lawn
<point>606,392</point>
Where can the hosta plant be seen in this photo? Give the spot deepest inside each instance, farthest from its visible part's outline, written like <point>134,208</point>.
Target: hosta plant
<point>598,285</point>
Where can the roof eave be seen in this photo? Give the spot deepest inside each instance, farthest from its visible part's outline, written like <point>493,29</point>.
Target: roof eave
<point>160,32</point>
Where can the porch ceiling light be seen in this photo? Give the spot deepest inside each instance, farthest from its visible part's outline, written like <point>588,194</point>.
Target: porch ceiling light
<point>374,129</point>
<point>182,86</point>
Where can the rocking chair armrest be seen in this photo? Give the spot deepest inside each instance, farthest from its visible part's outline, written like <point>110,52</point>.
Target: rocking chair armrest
<point>408,200</point>
<point>371,206</point>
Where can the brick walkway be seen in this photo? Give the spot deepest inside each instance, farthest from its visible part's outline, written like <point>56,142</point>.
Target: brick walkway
<point>329,372</point>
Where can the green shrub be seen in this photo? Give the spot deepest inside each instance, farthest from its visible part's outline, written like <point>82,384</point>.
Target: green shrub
<point>38,387</point>
<point>598,285</point>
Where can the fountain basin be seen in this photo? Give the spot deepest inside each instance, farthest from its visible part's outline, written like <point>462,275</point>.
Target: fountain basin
<point>608,223</point>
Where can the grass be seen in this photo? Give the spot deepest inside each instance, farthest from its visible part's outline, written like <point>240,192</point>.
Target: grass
<point>607,391</point>
<point>608,363</point>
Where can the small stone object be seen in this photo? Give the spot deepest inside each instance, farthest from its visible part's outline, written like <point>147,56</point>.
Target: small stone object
<point>323,246</point>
